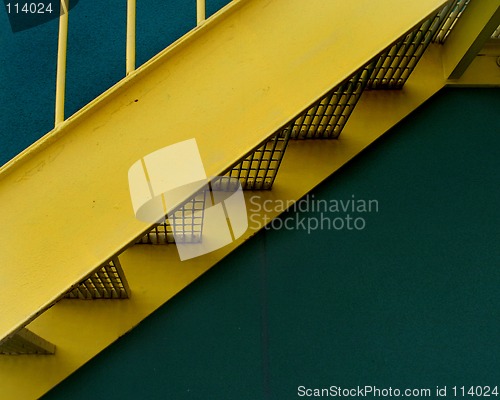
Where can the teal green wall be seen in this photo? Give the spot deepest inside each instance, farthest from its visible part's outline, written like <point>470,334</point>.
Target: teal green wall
<point>412,301</point>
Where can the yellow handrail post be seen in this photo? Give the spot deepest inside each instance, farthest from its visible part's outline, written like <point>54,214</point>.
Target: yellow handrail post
<point>200,11</point>
<point>61,61</point>
<point>130,57</point>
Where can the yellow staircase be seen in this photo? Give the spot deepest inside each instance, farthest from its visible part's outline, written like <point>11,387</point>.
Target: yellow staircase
<point>255,85</point>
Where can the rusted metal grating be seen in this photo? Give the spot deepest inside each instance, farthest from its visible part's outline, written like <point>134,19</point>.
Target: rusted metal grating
<point>108,282</point>
<point>185,225</point>
<point>448,17</point>
<point>26,342</point>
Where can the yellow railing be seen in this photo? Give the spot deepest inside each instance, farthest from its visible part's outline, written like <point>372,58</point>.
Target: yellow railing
<point>130,48</point>
<point>61,62</point>
<point>200,11</point>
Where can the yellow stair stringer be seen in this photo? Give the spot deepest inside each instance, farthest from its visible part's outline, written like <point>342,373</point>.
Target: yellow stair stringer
<point>229,84</point>
<point>82,329</point>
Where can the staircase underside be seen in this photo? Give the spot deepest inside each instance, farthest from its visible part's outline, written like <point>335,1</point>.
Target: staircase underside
<point>72,189</point>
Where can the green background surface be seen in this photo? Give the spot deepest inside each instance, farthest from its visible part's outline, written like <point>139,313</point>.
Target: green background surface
<point>412,301</point>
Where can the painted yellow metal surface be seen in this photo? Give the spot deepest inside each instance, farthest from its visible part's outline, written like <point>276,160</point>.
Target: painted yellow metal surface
<point>484,71</point>
<point>469,36</point>
<point>71,188</point>
<point>224,84</point>
<point>200,11</point>
<point>62,47</point>
<point>131,24</point>
<point>81,329</point>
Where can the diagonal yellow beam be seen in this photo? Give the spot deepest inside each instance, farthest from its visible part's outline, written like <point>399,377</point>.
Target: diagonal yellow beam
<point>471,32</point>
<point>229,84</point>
